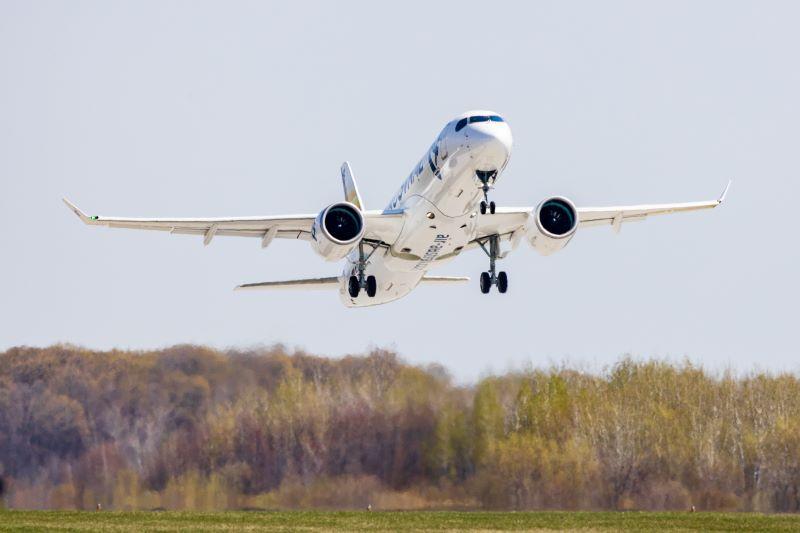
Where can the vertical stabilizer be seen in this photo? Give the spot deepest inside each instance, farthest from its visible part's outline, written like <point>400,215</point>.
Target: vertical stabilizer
<point>351,193</point>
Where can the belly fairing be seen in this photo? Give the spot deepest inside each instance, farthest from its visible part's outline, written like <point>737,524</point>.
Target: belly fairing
<point>428,234</point>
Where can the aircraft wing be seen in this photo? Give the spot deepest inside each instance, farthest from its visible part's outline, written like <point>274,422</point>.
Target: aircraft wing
<point>380,226</point>
<point>509,223</point>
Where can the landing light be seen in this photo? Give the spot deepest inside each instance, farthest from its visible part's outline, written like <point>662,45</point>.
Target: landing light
<point>430,215</point>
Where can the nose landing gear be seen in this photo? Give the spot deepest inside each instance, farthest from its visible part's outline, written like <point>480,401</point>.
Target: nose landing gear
<point>486,176</point>
<point>492,277</point>
<point>361,281</point>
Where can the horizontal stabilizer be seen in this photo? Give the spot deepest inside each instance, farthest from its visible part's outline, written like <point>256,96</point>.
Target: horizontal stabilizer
<point>296,284</point>
<point>333,283</point>
<point>443,280</point>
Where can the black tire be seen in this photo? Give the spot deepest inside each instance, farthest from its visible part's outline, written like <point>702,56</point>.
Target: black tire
<point>372,286</point>
<point>486,282</point>
<point>353,287</point>
<point>483,207</point>
<point>502,282</point>
<point>491,207</point>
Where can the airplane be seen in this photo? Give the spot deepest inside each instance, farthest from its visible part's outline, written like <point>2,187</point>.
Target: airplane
<point>441,210</point>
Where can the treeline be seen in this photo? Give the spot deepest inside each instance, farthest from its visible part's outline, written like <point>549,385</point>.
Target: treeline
<point>190,427</point>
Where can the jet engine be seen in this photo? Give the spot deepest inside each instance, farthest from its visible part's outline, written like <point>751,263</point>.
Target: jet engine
<point>337,230</point>
<point>552,224</point>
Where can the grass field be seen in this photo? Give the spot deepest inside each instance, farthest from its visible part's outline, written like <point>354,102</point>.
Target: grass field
<point>391,521</point>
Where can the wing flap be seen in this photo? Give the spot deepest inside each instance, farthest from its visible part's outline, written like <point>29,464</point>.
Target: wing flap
<point>280,234</point>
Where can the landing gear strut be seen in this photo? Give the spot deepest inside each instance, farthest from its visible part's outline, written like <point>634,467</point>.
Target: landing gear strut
<point>486,176</point>
<point>361,281</point>
<point>492,277</point>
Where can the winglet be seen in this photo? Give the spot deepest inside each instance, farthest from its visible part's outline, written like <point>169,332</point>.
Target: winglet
<point>724,193</point>
<point>86,219</point>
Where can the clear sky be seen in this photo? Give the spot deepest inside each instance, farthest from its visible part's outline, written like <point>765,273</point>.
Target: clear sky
<point>249,108</point>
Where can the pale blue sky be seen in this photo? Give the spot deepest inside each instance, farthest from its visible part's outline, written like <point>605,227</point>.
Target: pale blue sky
<point>233,108</point>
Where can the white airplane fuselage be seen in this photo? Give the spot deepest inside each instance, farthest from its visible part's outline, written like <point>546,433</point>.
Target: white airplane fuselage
<point>439,202</point>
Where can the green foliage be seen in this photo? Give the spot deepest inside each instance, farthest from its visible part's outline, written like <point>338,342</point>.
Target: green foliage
<point>189,427</point>
<point>488,420</point>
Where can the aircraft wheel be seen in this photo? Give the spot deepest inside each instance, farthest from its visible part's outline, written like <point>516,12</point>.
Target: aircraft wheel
<point>483,207</point>
<point>353,287</point>
<point>502,282</point>
<point>491,207</point>
<point>372,286</point>
<point>486,282</point>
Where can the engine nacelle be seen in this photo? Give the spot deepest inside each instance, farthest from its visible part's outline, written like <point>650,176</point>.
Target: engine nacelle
<point>552,224</point>
<point>337,230</point>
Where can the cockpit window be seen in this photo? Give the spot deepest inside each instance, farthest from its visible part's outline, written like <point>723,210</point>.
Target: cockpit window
<point>477,118</point>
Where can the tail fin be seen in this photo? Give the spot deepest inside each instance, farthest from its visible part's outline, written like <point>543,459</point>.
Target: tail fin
<point>351,193</point>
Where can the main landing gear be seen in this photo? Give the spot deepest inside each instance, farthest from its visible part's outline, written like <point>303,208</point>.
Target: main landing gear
<point>492,277</point>
<point>356,283</point>
<point>486,176</point>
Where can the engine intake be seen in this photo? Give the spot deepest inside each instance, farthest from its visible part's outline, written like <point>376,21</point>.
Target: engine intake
<point>337,230</point>
<point>552,224</point>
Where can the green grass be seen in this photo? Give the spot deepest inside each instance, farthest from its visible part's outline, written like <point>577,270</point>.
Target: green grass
<point>313,521</point>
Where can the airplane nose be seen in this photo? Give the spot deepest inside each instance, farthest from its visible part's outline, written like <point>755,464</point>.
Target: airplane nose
<point>493,139</point>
